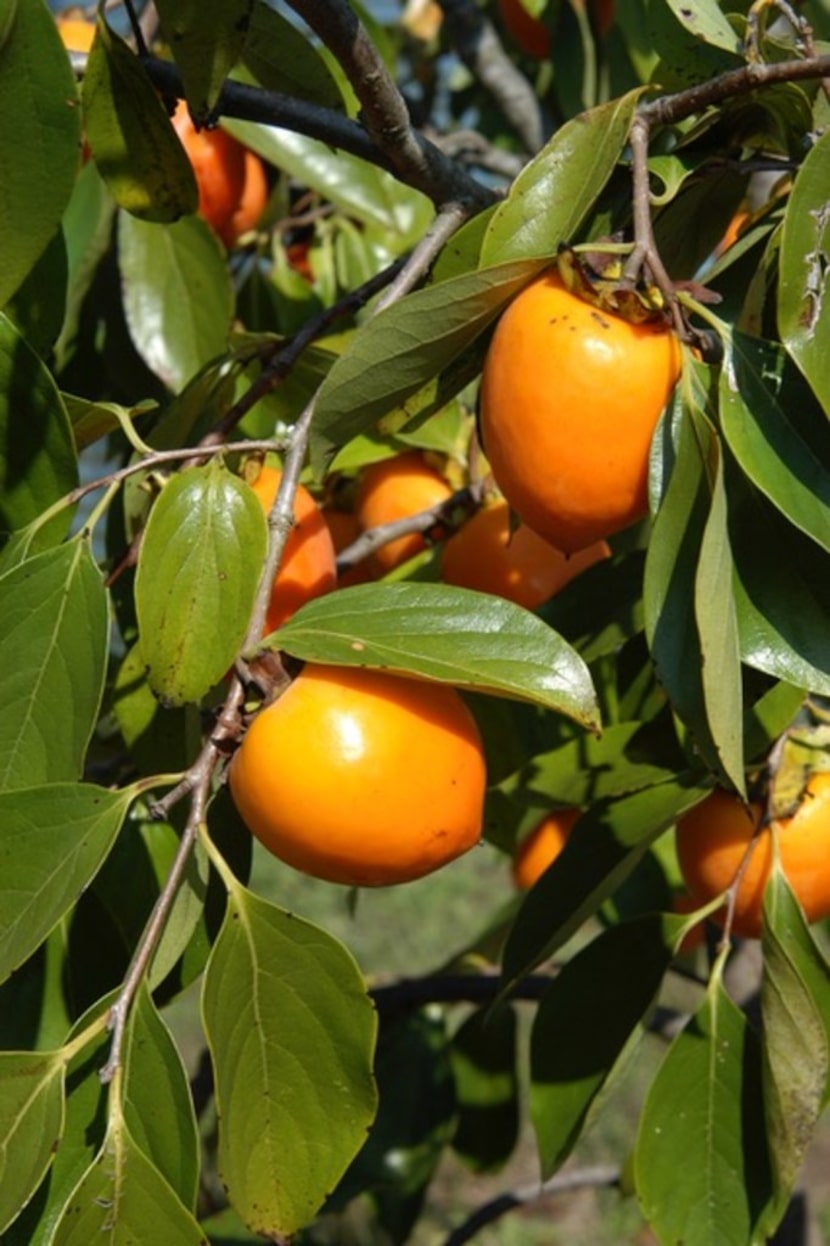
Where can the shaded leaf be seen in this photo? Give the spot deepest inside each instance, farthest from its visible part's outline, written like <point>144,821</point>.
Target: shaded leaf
<point>37,308</point>
<point>588,1021</point>
<point>405,346</point>
<point>279,57</point>
<point>200,561</point>
<point>766,442</point>
<point>206,40</point>
<point>40,152</point>
<point>795,1038</point>
<point>52,841</point>
<point>38,464</point>
<point>178,299</point>
<point>603,849</point>
<point>291,1033</point>
<point>700,1164</point>
<point>135,148</point>
<point>31,1120</point>
<point>803,302</point>
<point>483,1055</point>
<point>453,635</point>
<point>550,198</point>
<point>53,635</point>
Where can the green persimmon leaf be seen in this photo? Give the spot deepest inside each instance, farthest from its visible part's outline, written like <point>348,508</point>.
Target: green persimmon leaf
<point>279,57</point>
<point>453,635</point>
<point>157,1104</point>
<point>360,190</point>
<point>781,593</point>
<point>53,840</point>
<point>122,1197</point>
<point>550,198</point>
<point>206,38</point>
<point>54,623</point>
<point>135,148</point>
<point>291,1034</point>
<point>405,346</point>
<point>39,304</point>
<point>707,23</point>
<point>40,151</point>
<point>84,1124</point>
<point>796,1056</point>
<point>178,299</point>
<point>200,561</point>
<point>31,1121</point>
<point>588,1021</point>
<point>767,444</point>
<point>689,614</point>
<point>803,305</point>
<point>602,850</point>
<point>38,463</point>
<point>700,1165</point>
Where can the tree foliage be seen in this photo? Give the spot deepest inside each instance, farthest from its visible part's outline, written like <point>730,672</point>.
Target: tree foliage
<point>422,169</point>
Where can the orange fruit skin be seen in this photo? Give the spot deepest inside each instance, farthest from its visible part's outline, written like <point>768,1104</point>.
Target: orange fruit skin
<point>570,398</point>
<point>394,489</point>
<point>361,777</point>
<point>712,839</point>
<point>218,162</point>
<point>252,201</point>
<point>527,32</point>
<point>521,566</point>
<point>542,846</point>
<point>76,32</point>
<point>308,567</point>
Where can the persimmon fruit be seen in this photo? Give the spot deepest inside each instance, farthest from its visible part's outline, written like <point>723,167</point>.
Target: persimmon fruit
<point>345,530</point>
<point>713,837</point>
<point>527,32</point>
<point>361,777</point>
<point>542,846</point>
<point>393,489</point>
<point>77,33</point>
<point>522,567</point>
<point>308,568</point>
<point>570,398</point>
<point>232,186</point>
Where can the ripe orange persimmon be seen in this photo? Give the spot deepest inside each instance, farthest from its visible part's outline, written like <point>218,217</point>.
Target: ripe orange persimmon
<point>231,180</point>
<point>713,837</point>
<point>542,846</point>
<point>308,567</point>
<point>526,31</point>
<point>395,489</point>
<point>520,566</point>
<point>361,777</point>
<point>570,398</point>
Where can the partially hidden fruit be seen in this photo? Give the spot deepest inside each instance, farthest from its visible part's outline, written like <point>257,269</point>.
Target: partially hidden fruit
<point>77,33</point>
<point>542,846</point>
<point>520,566</point>
<point>713,837</point>
<point>308,567</point>
<point>394,489</point>
<point>526,31</point>
<point>231,180</point>
<point>361,777</point>
<point>570,399</point>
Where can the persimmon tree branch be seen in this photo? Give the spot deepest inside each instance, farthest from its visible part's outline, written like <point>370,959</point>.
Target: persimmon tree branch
<point>670,109</point>
<point>447,514</point>
<point>479,47</point>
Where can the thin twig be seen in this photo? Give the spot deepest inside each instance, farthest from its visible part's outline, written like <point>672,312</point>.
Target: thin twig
<point>670,109</point>
<point>597,1176</point>
<point>449,219</point>
<point>449,514</point>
